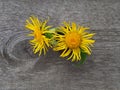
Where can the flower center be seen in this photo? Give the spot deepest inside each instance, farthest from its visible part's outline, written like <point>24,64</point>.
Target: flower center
<point>73,40</point>
<point>38,35</point>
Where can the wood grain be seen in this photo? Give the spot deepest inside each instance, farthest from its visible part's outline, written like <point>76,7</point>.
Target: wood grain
<point>20,69</point>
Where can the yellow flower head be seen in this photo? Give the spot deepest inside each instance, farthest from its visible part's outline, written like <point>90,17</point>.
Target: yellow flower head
<point>40,42</point>
<point>73,40</point>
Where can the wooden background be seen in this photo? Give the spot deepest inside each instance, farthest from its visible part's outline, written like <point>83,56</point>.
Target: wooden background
<point>21,70</point>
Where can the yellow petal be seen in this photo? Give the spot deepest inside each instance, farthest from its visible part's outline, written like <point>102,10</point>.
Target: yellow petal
<point>74,26</point>
<point>65,53</point>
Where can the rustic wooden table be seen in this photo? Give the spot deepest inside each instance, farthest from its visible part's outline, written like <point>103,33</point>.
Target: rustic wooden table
<point>21,70</point>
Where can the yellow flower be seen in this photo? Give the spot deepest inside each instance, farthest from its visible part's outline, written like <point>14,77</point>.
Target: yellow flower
<point>38,30</point>
<point>73,40</point>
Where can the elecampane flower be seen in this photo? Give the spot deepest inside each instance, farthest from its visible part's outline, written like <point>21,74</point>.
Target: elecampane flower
<point>73,40</point>
<point>38,30</point>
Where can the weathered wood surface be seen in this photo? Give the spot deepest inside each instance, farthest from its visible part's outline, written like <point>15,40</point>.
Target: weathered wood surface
<point>21,70</point>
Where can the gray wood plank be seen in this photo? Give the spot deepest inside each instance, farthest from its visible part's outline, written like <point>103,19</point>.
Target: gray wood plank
<point>20,69</point>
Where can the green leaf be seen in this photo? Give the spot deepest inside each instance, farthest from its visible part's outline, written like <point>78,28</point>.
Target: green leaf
<point>53,42</point>
<point>48,35</point>
<point>83,59</point>
<point>53,29</point>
